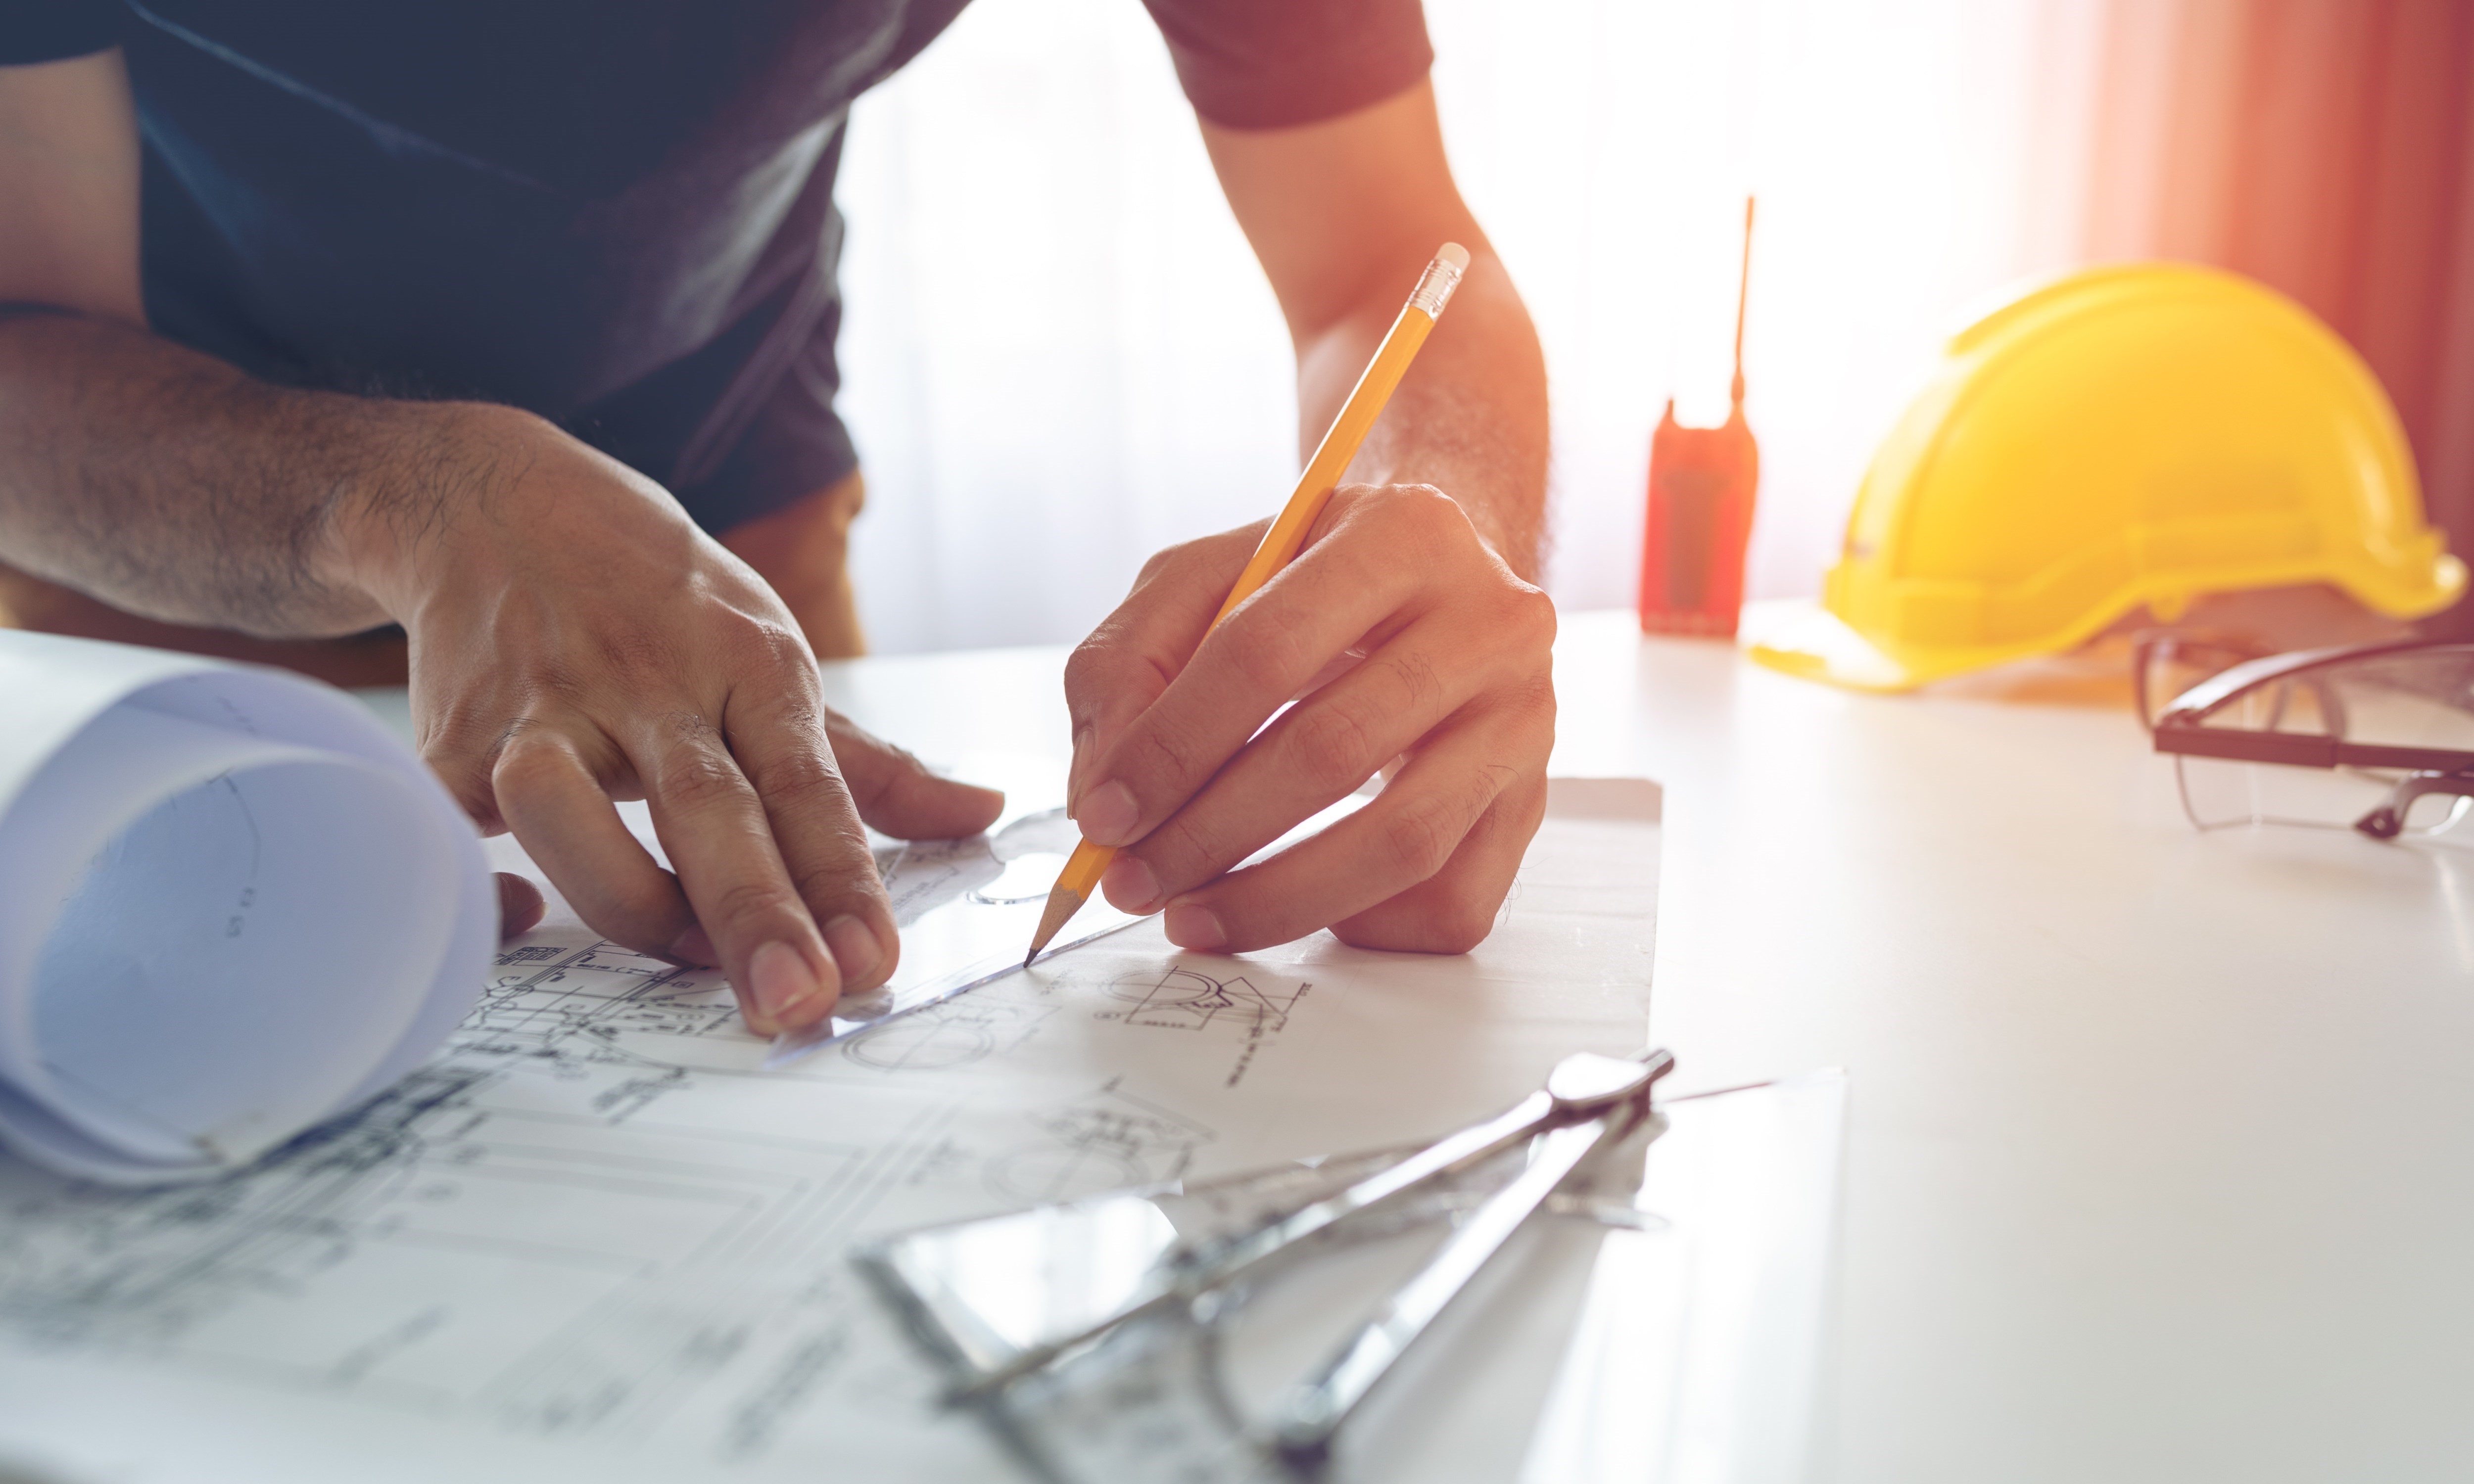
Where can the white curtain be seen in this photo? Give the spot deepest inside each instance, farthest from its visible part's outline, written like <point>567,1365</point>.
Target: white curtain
<point>1058,355</point>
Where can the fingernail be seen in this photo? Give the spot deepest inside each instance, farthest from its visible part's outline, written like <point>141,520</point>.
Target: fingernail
<point>780,978</point>
<point>855,949</point>
<point>1132,884</point>
<point>1109,814</point>
<point>1190,927</point>
<point>692,947</point>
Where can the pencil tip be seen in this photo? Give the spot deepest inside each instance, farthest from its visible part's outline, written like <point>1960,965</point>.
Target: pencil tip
<point>1062,903</point>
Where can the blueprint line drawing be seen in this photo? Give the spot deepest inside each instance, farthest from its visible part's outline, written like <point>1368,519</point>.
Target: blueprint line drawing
<point>587,1218</point>
<point>922,875</point>
<point>594,1216</point>
<point>547,1229</point>
<point>952,1033</point>
<point>594,1233</point>
<point>1256,1005</point>
<point>1183,997</point>
<point>1096,1144</point>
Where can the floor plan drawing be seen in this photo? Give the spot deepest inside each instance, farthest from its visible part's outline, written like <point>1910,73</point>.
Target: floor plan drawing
<point>1254,1005</point>
<point>1183,997</point>
<point>590,1216</point>
<point>528,1230</point>
<point>595,1230</point>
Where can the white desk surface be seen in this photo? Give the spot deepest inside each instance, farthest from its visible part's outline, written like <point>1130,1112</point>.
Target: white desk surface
<point>2160,1144</point>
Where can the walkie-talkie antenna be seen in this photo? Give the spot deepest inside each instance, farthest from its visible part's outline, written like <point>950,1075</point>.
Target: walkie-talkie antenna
<point>1743,286</point>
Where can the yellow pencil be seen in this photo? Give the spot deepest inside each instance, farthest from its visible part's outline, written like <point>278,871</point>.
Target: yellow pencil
<point>1280,543</point>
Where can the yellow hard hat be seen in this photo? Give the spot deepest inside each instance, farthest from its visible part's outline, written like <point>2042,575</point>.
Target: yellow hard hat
<point>2138,434</point>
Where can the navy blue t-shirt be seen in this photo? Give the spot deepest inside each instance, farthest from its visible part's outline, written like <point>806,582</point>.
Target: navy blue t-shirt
<point>616,213</point>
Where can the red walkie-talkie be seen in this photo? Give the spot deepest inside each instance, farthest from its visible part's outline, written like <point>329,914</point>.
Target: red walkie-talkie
<point>1701,486</point>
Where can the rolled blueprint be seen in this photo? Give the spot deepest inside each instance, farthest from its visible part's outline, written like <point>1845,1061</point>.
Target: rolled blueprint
<point>232,905</point>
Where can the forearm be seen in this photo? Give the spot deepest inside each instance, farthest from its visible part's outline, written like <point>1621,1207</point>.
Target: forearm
<point>1469,418</point>
<point>173,486</point>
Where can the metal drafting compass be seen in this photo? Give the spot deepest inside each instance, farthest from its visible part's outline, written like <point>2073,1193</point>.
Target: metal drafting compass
<point>1084,1332</point>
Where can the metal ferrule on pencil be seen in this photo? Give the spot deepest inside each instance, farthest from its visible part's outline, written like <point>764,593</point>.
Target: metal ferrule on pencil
<point>1435,290</point>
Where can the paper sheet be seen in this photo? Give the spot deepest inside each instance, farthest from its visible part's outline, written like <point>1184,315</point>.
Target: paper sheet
<point>186,848</point>
<point>595,1240</point>
<point>968,908</point>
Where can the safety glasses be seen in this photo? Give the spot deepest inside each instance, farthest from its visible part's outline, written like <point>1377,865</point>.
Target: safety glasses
<point>2376,737</point>
<point>2165,663</point>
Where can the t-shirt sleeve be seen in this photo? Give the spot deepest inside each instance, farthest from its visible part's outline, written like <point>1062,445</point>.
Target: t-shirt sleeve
<point>1278,63</point>
<point>33,30</point>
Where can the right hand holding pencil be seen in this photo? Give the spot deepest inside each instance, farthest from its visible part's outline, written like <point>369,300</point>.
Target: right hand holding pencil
<point>1404,637</point>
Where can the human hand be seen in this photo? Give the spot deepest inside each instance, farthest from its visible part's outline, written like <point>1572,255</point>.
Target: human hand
<point>1403,637</point>
<point>575,641</point>
<point>520,906</point>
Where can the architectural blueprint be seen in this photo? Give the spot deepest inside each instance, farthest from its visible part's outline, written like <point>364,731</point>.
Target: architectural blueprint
<point>177,834</point>
<point>593,1238</point>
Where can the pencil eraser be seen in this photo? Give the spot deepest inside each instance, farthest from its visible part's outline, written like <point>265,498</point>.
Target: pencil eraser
<point>1454,253</point>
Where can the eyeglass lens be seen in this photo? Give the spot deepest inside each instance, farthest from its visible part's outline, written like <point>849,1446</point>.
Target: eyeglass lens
<point>2414,699</point>
<point>2164,665</point>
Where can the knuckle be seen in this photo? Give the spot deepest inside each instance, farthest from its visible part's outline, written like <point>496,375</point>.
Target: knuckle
<point>782,647</point>
<point>770,648</point>
<point>1530,614</point>
<point>1111,667</point>
<point>1418,507</point>
<point>1461,920</point>
<point>1270,652</point>
<point>784,702</point>
<point>1094,663</point>
<point>1530,702</point>
<point>748,902</point>
<point>801,775</point>
<point>1160,562</point>
<point>633,653</point>
<point>696,774</point>
<point>1421,835</point>
<point>1162,752</point>
<point>1189,848</point>
<point>1421,687</point>
<point>1332,748</point>
<point>528,761</point>
<point>456,739</point>
<point>845,875</point>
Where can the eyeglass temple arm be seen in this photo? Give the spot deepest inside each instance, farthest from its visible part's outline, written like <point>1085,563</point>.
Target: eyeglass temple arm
<point>2216,689</point>
<point>2178,733</point>
<point>2388,820</point>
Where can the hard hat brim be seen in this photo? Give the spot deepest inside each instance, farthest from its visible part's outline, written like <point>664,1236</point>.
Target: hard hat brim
<point>1803,640</point>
